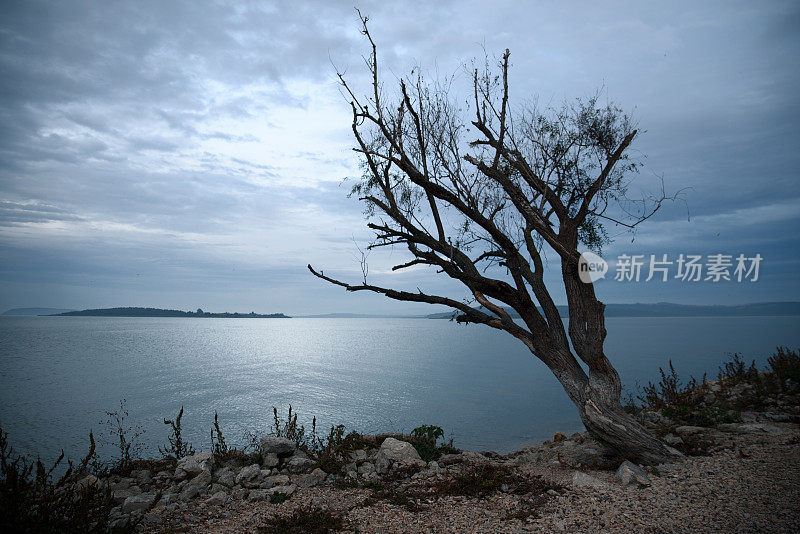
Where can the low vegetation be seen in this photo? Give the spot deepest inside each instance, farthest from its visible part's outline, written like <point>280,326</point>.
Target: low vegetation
<point>739,387</point>
<point>309,520</point>
<point>32,499</point>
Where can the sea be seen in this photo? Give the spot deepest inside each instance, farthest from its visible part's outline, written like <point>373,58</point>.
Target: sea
<point>59,376</point>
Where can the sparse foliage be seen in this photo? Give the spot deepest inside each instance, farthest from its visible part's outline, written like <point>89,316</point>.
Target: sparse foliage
<point>177,448</point>
<point>33,500</point>
<point>123,435</point>
<point>218,445</point>
<point>483,192</point>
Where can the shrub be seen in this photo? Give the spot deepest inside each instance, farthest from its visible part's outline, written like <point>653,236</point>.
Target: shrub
<point>218,446</point>
<point>32,501</point>
<point>785,364</point>
<point>481,480</point>
<point>290,429</point>
<point>123,436</point>
<point>669,392</point>
<point>177,448</point>
<point>425,440</point>
<point>329,452</point>
<point>736,371</point>
<point>307,520</point>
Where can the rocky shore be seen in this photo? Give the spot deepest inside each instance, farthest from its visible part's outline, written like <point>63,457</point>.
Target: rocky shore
<point>741,476</point>
<point>740,437</point>
<point>749,482</point>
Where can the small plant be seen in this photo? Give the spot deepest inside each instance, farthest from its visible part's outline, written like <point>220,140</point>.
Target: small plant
<point>670,393</point>
<point>734,371</point>
<point>290,429</point>
<point>481,480</point>
<point>425,440</point>
<point>332,452</point>
<point>785,364</point>
<point>32,501</point>
<point>329,452</point>
<point>122,436</point>
<point>218,446</point>
<point>307,520</point>
<point>629,403</point>
<point>177,448</point>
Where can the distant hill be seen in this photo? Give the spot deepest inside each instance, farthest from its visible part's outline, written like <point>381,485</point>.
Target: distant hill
<point>156,312</point>
<point>35,311</point>
<point>345,315</point>
<point>667,309</point>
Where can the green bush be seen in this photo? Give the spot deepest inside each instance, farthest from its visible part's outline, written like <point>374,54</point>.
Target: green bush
<point>425,440</point>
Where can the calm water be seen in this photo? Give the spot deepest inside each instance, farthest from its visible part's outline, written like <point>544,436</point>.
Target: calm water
<point>59,374</point>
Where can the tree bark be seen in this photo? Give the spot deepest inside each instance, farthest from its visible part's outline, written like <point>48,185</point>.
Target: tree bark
<point>597,397</point>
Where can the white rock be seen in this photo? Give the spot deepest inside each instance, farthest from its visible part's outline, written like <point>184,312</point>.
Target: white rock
<point>137,502</point>
<point>249,476</point>
<point>631,474</point>
<point>279,446</point>
<point>396,452</point>
<point>197,463</point>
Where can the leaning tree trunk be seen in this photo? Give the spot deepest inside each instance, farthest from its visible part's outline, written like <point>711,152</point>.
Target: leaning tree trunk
<point>597,397</point>
<point>596,393</point>
<point>607,421</point>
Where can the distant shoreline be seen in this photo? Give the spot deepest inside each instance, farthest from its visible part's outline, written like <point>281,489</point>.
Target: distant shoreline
<point>157,312</point>
<point>661,310</point>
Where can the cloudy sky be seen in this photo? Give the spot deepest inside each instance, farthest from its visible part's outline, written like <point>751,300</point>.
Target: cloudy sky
<point>185,154</point>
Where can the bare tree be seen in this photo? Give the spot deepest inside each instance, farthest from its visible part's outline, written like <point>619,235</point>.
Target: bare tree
<point>482,200</point>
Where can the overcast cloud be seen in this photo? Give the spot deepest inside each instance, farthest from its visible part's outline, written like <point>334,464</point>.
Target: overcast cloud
<point>185,154</point>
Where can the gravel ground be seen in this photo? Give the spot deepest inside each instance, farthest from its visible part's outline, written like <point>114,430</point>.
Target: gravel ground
<point>752,488</point>
<point>751,485</point>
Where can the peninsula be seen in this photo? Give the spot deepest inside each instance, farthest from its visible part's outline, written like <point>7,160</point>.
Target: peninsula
<point>156,312</point>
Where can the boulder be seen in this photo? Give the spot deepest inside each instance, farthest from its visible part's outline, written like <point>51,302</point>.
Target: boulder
<point>249,476</point>
<point>285,490</point>
<point>366,467</point>
<point>270,460</point>
<point>582,480</point>
<point>120,495</point>
<point>203,479</point>
<point>189,492</point>
<point>89,481</point>
<point>315,477</point>
<point>274,445</point>
<point>672,440</point>
<point>144,476</point>
<point>358,455</point>
<point>258,495</point>
<point>631,474</point>
<point>217,499</point>
<point>226,477</point>
<point>394,452</point>
<point>278,480</point>
<point>197,463</point>
<point>121,484</point>
<point>138,502</point>
<point>299,463</point>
